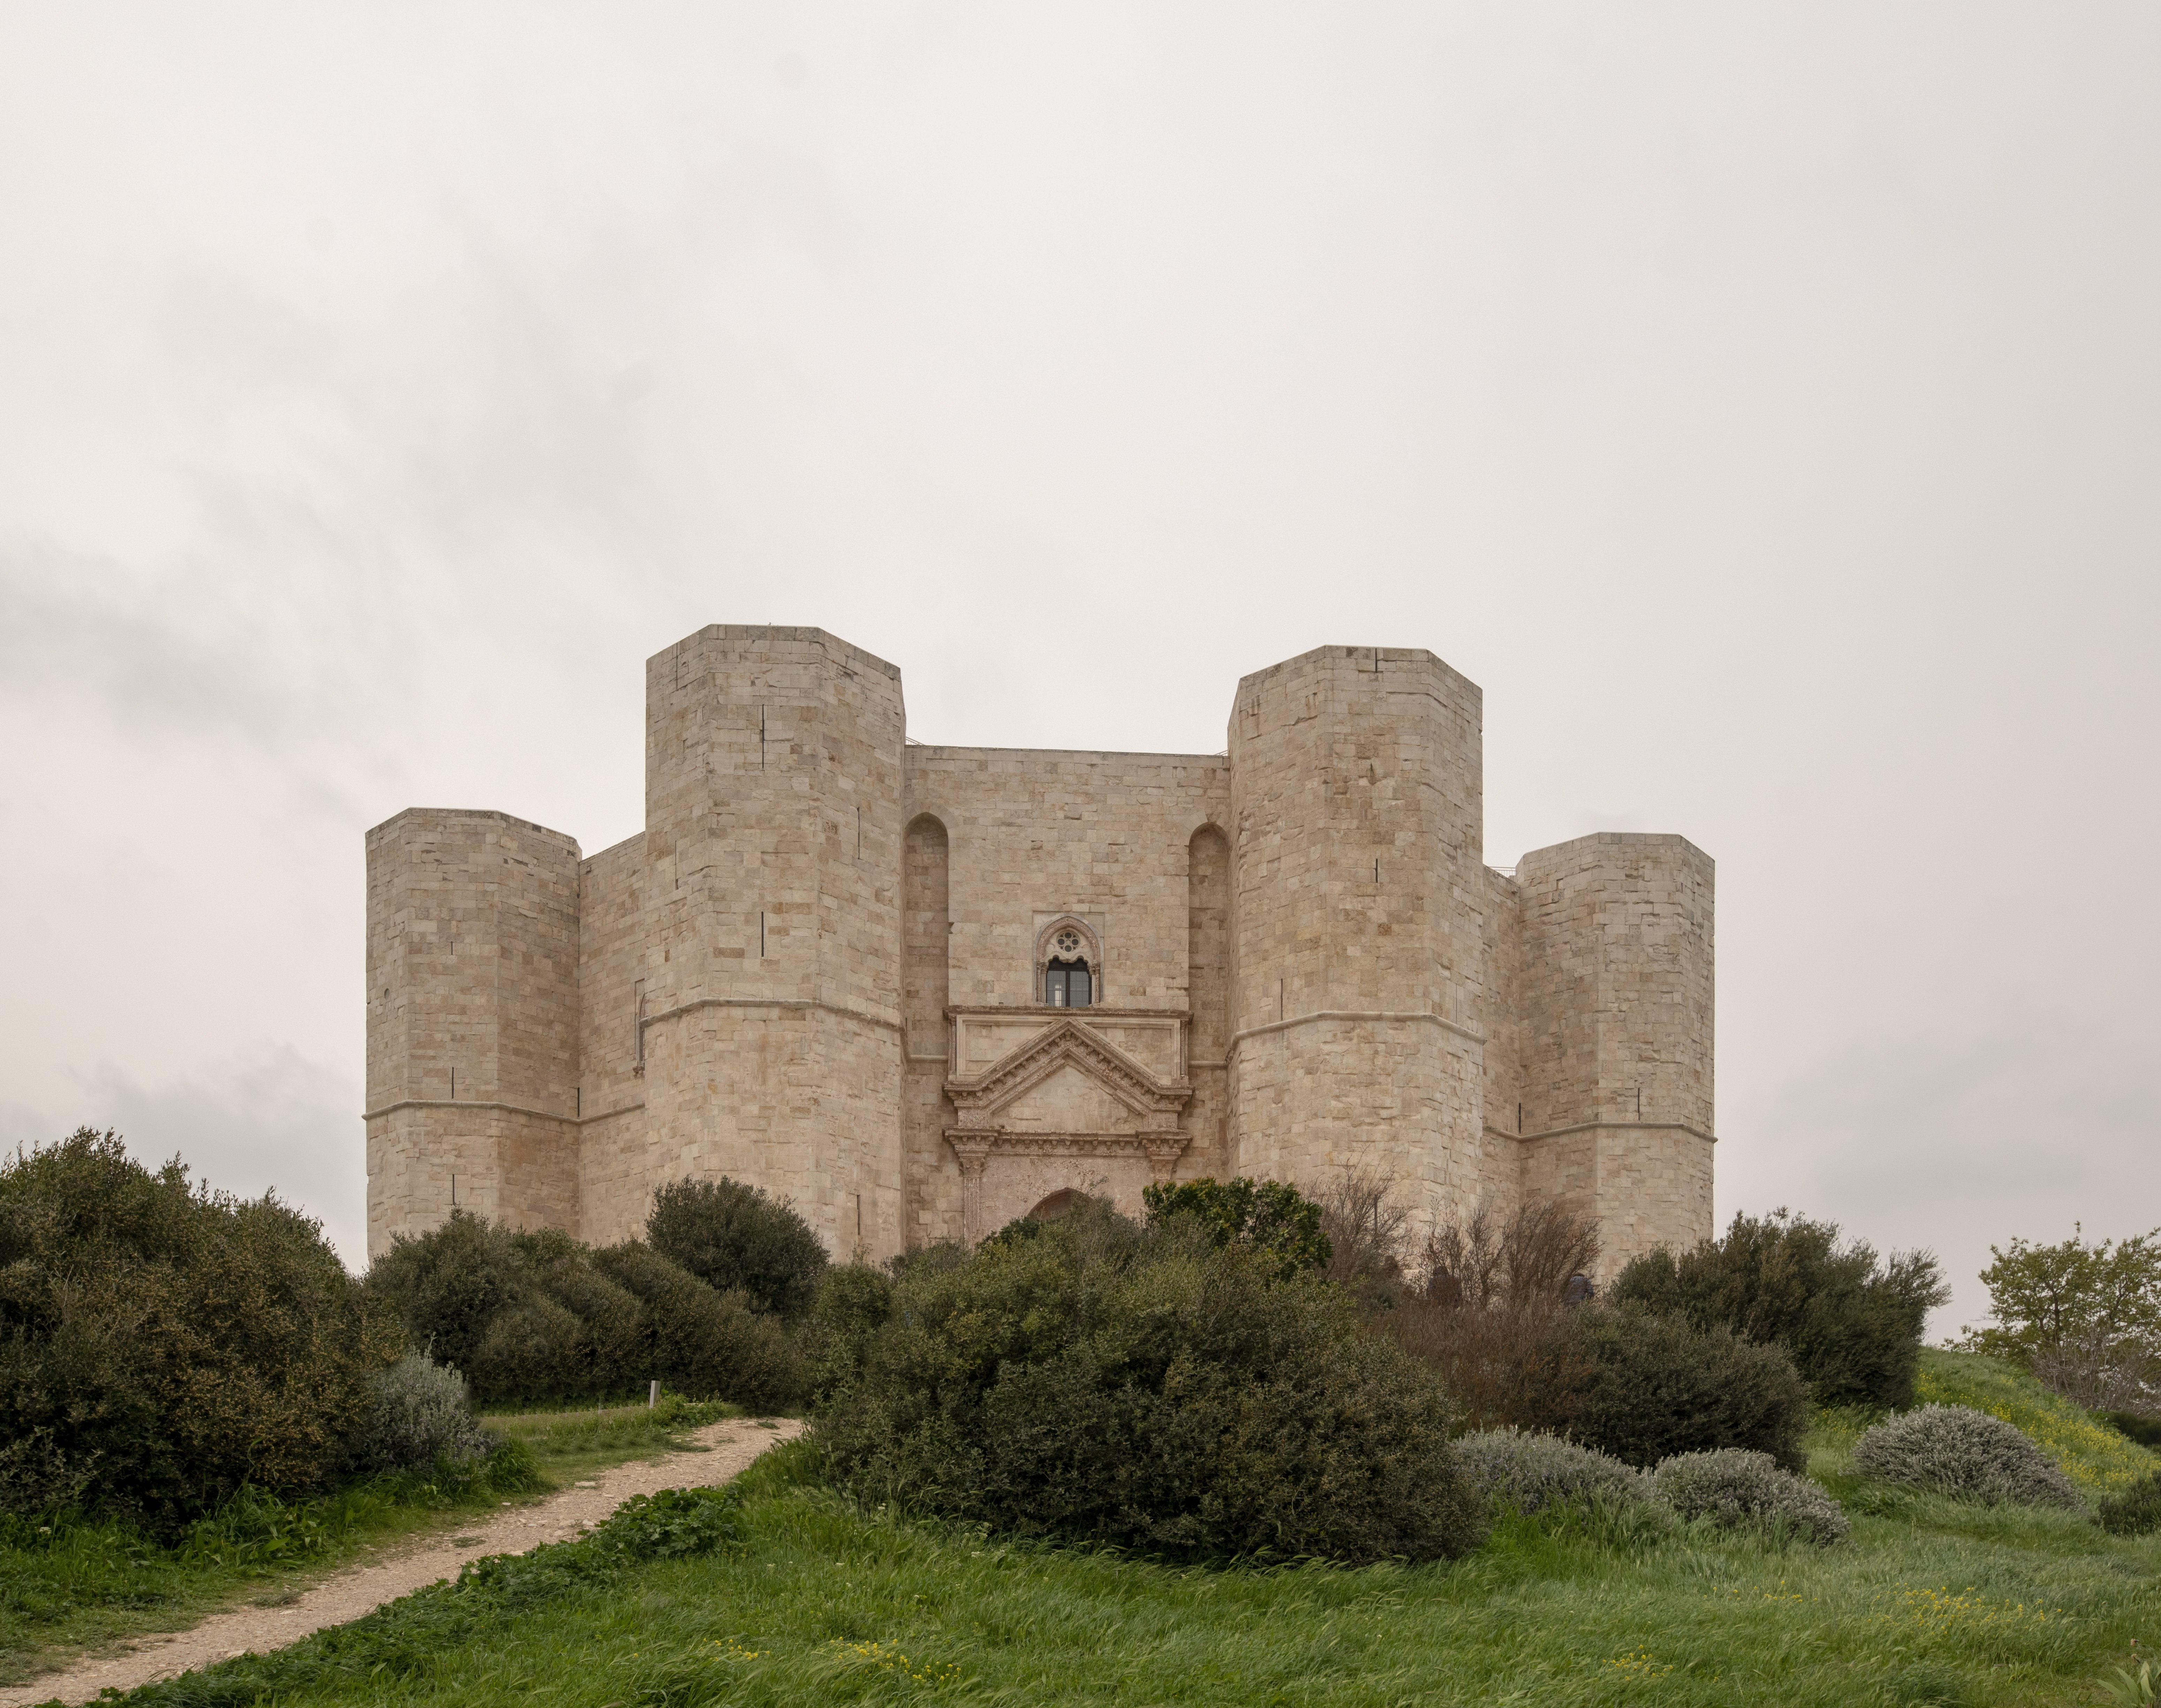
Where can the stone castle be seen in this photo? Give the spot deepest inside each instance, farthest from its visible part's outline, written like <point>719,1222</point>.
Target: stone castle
<point>924,990</point>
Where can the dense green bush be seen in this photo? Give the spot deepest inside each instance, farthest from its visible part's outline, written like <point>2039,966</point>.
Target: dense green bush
<point>1520,1470</point>
<point>736,1239</point>
<point>1956,1450</point>
<point>1853,1321</point>
<point>2135,1510</point>
<point>1099,1382</point>
<point>709,1345</point>
<point>1742,1490</point>
<point>1268,1217</point>
<point>2134,1425</point>
<point>418,1412</point>
<point>536,1317</point>
<point>161,1346</point>
<point>1658,1386</point>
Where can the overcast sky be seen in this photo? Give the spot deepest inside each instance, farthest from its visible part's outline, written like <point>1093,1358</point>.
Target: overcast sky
<point>1761,404</point>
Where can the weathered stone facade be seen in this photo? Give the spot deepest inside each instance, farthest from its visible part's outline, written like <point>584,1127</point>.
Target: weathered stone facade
<point>821,968</point>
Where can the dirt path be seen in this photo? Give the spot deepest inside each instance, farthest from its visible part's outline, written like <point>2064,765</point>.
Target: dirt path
<point>733,1443</point>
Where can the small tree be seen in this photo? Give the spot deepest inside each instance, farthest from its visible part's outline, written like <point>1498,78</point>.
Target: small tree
<point>1265,1216</point>
<point>1851,1320</point>
<point>1366,1223</point>
<point>2085,1319</point>
<point>736,1239</point>
<point>1488,1308</point>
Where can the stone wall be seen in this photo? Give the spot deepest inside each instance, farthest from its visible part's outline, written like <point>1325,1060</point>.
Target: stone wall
<point>1036,836</point>
<point>613,1191</point>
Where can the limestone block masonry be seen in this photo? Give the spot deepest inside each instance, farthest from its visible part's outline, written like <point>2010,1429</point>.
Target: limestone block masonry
<point>921,991</point>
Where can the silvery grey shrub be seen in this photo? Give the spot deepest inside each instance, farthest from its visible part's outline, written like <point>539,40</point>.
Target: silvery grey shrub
<point>417,1413</point>
<point>1527,1471</point>
<point>1741,1489</point>
<point>1956,1450</point>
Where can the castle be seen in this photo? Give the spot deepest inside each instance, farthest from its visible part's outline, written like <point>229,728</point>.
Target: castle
<point>924,990</point>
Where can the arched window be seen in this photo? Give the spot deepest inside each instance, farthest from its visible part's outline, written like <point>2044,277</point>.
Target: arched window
<point>1068,963</point>
<point>1065,980</point>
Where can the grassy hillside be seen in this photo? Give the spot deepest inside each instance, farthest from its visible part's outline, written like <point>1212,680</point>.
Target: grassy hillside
<point>2092,1455</point>
<point>1931,1602</point>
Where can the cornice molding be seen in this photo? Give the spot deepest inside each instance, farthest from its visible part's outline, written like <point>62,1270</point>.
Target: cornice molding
<point>506,1108</point>
<point>1605,1126</point>
<point>680,1008</point>
<point>972,1143</point>
<point>1238,1038</point>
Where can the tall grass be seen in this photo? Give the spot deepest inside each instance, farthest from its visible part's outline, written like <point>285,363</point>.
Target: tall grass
<point>567,1439</point>
<point>2094,1456</point>
<point>827,1602</point>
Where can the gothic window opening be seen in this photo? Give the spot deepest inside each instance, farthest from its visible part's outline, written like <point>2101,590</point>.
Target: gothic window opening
<point>1069,965</point>
<point>1066,984</point>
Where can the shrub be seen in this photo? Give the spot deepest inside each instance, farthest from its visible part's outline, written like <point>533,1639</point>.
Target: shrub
<point>1529,1258</point>
<point>160,1346</point>
<point>2135,1510</point>
<point>612,1348</point>
<point>1364,1221</point>
<point>2133,1426</point>
<point>450,1283</point>
<point>539,1317</point>
<point>1956,1450</point>
<point>1505,1365</point>
<point>853,1301</point>
<point>1488,1310</point>
<point>1520,1471</point>
<point>1268,1217</point>
<point>1851,1321</point>
<point>2096,1457</point>
<point>736,1239</point>
<point>1098,1382</point>
<point>418,1412</point>
<point>1659,1386</point>
<point>1738,1488</point>
<point>710,1345</point>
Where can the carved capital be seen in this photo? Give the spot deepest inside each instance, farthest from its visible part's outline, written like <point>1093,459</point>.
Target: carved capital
<point>1163,1155</point>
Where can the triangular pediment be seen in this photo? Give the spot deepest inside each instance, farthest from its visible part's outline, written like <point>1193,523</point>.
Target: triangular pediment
<point>1066,1046</point>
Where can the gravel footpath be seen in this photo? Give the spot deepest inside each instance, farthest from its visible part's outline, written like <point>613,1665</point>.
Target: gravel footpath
<point>732,1444</point>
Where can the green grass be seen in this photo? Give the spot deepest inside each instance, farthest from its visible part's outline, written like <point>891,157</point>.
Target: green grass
<point>1931,1602</point>
<point>570,1443</point>
<point>75,1585</point>
<point>2094,1456</point>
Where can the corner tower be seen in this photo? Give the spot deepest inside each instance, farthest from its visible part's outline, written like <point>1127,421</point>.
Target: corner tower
<point>1357,946</point>
<point>771,1023</point>
<point>472,1022</point>
<point>1615,1013</point>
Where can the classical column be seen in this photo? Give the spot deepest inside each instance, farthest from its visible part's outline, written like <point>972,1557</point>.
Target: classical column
<point>974,1154</point>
